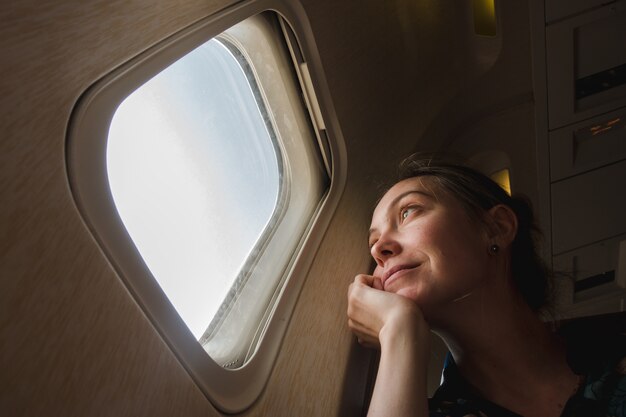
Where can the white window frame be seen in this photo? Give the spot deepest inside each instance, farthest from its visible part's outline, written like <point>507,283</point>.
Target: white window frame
<point>231,390</point>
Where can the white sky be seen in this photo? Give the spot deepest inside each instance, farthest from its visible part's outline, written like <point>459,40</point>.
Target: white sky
<point>194,177</point>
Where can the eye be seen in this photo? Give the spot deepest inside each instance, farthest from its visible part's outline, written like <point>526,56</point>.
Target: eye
<point>406,211</point>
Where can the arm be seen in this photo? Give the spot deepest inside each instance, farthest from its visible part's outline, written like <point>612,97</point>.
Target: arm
<point>396,325</point>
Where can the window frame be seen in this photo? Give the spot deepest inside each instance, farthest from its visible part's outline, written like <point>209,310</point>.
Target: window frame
<point>230,390</point>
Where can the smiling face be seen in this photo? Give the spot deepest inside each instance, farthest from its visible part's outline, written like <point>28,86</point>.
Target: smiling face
<point>426,246</point>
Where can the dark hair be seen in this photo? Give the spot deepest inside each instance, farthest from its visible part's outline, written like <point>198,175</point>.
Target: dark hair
<point>478,193</point>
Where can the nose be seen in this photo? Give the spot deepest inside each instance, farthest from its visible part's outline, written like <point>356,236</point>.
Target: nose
<point>385,247</point>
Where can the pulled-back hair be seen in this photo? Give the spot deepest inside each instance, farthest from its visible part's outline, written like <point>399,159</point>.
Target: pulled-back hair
<point>477,193</point>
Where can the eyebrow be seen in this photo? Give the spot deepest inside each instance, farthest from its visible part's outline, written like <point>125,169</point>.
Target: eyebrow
<point>395,201</point>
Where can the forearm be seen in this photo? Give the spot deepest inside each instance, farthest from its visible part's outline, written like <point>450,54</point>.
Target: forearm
<point>400,388</point>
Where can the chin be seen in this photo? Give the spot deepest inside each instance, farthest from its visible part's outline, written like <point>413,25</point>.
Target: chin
<point>411,293</point>
<point>425,300</point>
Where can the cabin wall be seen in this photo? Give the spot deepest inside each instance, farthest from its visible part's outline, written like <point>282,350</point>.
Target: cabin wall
<point>73,340</point>
<point>494,110</point>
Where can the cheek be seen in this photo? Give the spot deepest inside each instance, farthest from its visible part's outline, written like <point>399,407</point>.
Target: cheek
<point>460,248</point>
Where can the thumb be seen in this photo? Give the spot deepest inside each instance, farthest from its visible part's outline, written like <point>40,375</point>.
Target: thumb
<point>377,283</point>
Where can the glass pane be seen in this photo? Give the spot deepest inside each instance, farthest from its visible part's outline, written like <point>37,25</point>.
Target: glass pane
<point>195,177</point>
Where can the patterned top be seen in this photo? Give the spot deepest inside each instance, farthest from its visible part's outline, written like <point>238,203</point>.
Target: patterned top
<point>600,360</point>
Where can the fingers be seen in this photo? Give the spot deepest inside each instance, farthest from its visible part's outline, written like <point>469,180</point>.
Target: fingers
<point>360,283</point>
<point>372,281</point>
<point>365,279</point>
<point>378,271</point>
<point>360,298</point>
<point>365,311</point>
<point>361,321</point>
<point>369,343</point>
<point>377,284</point>
<point>364,335</point>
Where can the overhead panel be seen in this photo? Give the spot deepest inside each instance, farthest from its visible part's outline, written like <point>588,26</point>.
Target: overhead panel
<point>586,93</point>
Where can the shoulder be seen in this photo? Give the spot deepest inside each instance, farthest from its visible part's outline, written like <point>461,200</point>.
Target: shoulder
<point>596,342</point>
<point>597,351</point>
<point>456,398</point>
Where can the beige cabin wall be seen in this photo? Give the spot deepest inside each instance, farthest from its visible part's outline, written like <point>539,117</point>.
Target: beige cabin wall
<point>73,340</point>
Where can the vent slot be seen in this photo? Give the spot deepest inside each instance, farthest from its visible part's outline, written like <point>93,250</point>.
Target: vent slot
<point>600,81</point>
<point>594,281</point>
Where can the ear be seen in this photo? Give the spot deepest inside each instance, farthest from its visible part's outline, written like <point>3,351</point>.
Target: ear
<point>503,225</point>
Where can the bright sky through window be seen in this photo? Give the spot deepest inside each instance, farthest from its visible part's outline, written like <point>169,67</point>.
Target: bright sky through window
<point>194,175</point>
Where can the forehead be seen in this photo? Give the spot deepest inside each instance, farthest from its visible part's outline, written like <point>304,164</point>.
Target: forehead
<point>423,186</point>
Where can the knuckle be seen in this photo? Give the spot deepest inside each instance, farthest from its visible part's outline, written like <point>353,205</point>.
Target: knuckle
<point>350,311</point>
<point>353,296</point>
<point>361,278</point>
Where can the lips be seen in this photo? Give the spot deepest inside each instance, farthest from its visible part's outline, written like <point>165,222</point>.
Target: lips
<point>392,272</point>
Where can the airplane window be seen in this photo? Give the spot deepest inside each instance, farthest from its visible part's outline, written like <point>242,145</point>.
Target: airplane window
<point>195,176</point>
<point>203,169</point>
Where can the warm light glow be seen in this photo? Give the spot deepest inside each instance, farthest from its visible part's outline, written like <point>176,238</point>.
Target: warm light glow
<point>603,128</point>
<point>502,179</point>
<point>484,17</point>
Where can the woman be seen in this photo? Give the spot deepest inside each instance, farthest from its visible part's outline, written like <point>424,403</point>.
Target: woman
<point>455,254</point>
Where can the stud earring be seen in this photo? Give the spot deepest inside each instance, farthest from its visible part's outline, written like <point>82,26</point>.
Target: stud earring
<point>494,248</point>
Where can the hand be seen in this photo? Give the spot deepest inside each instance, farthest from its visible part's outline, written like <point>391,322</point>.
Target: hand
<point>396,325</point>
<point>376,317</point>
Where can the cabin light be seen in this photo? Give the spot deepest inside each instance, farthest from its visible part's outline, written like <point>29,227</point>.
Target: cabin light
<point>484,17</point>
<point>502,178</point>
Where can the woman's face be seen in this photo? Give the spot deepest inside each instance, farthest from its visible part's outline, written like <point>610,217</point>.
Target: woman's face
<point>425,245</point>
